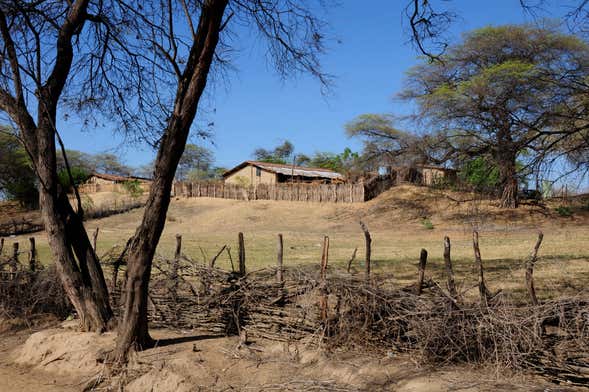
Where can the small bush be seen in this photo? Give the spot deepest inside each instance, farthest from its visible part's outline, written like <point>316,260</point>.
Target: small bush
<point>427,223</point>
<point>564,211</point>
<point>133,187</point>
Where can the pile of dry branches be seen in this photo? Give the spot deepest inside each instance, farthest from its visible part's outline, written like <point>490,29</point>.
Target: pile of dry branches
<point>24,294</point>
<point>344,311</point>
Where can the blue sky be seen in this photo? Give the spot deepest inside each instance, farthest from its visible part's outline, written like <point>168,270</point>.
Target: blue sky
<point>368,57</point>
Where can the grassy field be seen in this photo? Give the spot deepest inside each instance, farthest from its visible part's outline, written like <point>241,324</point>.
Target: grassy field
<point>398,223</point>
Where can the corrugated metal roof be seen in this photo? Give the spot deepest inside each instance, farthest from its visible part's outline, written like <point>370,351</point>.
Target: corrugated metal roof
<point>288,170</point>
<point>299,171</point>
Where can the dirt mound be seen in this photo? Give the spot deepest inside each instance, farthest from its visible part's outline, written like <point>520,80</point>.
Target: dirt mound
<point>64,351</point>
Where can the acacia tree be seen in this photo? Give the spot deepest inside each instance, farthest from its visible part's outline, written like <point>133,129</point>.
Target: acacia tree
<point>295,39</point>
<point>384,143</point>
<point>36,58</point>
<point>500,93</point>
<point>128,61</point>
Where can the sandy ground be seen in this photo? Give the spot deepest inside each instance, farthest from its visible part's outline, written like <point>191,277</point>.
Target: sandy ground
<point>62,359</point>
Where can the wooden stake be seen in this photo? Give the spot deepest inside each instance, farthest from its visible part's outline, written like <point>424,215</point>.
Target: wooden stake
<point>530,269</point>
<point>483,292</point>
<point>352,259</point>
<point>178,251</point>
<point>14,259</point>
<point>324,258</point>
<point>421,277</point>
<point>279,260</point>
<point>449,269</point>
<point>368,242</point>
<point>241,245</point>
<point>94,239</point>
<point>212,263</point>
<point>32,255</point>
<point>323,298</point>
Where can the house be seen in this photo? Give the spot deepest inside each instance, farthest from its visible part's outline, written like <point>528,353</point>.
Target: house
<point>255,172</point>
<point>102,178</point>
<point>424,174</point>
<point>101,182</point>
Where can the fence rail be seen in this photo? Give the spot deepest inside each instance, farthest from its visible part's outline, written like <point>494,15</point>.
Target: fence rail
<point>321,193</point>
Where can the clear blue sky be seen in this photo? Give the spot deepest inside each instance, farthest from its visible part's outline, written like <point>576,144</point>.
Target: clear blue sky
<point>368,57</point>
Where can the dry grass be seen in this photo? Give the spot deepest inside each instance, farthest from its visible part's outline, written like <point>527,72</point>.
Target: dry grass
<point>395,221</point>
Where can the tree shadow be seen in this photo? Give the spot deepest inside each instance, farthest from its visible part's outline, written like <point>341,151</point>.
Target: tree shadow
<point>186,339</point>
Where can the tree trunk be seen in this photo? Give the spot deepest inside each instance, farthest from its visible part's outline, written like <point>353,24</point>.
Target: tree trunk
<point>506,161</point>
<point>77,264</point>
<point>133,329</point>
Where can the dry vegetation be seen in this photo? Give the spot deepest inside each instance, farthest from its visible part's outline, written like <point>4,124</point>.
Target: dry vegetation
<point>385,316</point>
<point>396,222</point>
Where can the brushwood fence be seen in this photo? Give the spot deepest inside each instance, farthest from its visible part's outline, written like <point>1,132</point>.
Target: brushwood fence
<point>321,193</point>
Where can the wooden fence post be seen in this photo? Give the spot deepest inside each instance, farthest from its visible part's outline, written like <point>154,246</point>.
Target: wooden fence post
<point>352,259</point>
<point>14,260</point>
<point>483,292</point>
<point>324,257</point>
<point>421,269</point>
<point>530,270</point>
<point>323,279</point>
<point>32,255</point>
<point>178,251</point>
<point>449,270</point>
<point>212,262</point>
<point>279,260</point>
<point>368,242</point>
<point>241,246</point>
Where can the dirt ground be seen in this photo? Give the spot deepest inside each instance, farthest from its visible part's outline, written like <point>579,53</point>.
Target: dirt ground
<point>61,359</point>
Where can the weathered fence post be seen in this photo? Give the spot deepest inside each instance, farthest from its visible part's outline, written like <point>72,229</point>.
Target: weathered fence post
<point>94,239</point>
<point>324,257</point>
<point>421,268</point>
<point>178,251</point>
<point>352,259</point>
<point>32,255</point>
<point>212,263</point>
<point>241,246</point>
<point>368,241</point>
<point>279,260</point>
<point>323,279</point>
<point>483,292</point>
<point>449,270</point>
<point>530,269</point>
<point>14,260</point>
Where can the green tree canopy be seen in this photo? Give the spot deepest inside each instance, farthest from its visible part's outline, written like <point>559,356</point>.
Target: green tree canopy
<point>384,144</point>
<point>279,154</point>
<point>17,177</point>
<point>195,163</point>
<point>499,93</point>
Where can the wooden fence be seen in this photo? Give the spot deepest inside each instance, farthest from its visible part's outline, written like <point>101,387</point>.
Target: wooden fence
<point>117,188</point>
<point>321,193</point>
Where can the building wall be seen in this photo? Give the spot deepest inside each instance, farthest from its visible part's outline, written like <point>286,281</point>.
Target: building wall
<point>247,176</point>
<point>96,180</point>
<point>431,176</point>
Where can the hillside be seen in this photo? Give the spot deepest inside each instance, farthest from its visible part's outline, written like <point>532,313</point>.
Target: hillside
<point>399,232</point>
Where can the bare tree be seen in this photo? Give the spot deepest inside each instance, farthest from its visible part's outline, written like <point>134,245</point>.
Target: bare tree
<point>35,61</point>
<point>295,39</point>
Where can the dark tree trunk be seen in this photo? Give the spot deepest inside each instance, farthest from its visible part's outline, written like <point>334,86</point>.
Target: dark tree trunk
<point>506,161</point>
<point>77,264</point>
<point>78,267</point>
<point>133,329</point>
